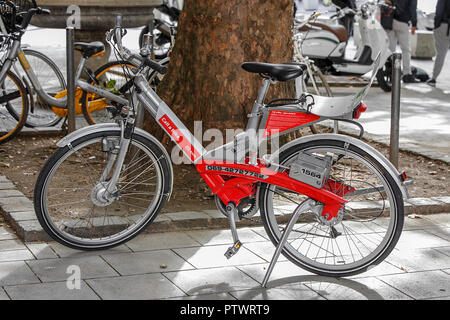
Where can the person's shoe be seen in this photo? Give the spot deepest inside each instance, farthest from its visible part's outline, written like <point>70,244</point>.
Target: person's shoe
<point>409,78</point>
<point>431,82</point>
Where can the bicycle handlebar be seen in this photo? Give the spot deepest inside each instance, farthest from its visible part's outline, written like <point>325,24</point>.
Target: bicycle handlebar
<point>126,54</point>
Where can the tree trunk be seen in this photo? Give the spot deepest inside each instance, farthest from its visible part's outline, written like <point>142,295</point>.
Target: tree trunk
<point>205,81</point>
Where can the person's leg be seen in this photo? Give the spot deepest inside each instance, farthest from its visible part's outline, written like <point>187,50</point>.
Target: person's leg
<point>402,32</point>
<point>442,43</point>
<point>392,40</point>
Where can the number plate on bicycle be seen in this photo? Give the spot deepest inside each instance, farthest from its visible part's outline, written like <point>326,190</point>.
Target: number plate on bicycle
<point>311,169</point>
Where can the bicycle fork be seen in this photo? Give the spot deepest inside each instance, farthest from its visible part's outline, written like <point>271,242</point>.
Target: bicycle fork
<point>106,191</point>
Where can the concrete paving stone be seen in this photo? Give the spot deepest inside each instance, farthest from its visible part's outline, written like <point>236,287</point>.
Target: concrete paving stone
<point>444,199</point>
<point>50,270</point>
<point>3,179</point>
<point>215,280</point>
<point>443,233</point>
<point>213,256</point>
<point>420,285</point>
<point>261,231</point>
<point>41,250</point>
<point>15,244</point>
<point>446,271</point>
<point>264,250</point>
<point>213,296</point>
<point>23,215</point>
<point>419,239</point>
<point>424,205</point>
<point>418,259</point>
<point>215,237</point>
<point>15,201</point>
<point>16,255</point>
<point>17,272</point>
<point>3,295</point>
<point>416,221</point>
<point>293,291</point>
<point>9,193</point>
<point>31,230</point>
<point>139,287</point>
<point>7,186</point>
<point>442,219</point>
<point>146,262</point>
<point>215,214</point>
<point>51,291</point>
<point>358,289</point>
<point>66,252</point>
<point>158,241</point>
<point>161,218</point>
<point>440,298</point>
<point>444,250</point>
<point>381,269</point>
<point>7,234</point>
<point>186,215</point>
<point>284,272</point>
<point>108,221</point>
<point>19,206</point>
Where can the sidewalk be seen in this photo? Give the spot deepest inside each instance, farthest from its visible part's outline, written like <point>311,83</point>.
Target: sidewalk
<point>191,265</point>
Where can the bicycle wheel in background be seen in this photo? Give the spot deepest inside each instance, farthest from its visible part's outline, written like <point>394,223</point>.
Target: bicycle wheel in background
<point>13,100</point>
<point>52,82</point>
<point>110,76</point>
<point>362,233</point>
<point>70,196</point>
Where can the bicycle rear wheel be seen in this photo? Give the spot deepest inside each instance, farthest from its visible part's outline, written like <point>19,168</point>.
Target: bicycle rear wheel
<point>68,198</point>
<point>13,101</point>
<point>52,82</point>
<point>363,232</point>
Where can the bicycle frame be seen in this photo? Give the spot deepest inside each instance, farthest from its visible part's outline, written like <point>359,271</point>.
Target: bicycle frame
<point>247,171</point>
<point>15,51</point>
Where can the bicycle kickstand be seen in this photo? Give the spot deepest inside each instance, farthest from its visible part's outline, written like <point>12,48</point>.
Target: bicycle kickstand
<point>232,215</point>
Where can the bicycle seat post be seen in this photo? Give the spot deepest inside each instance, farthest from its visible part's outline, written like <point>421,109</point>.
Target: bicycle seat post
<point>253,120</point>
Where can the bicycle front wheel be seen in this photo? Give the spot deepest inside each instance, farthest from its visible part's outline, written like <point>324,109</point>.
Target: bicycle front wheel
<point>70,199</point>
<point>14,107</point>
<point>363,232</point>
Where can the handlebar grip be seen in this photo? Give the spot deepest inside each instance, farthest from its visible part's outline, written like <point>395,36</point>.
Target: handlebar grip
<point>155,65</point>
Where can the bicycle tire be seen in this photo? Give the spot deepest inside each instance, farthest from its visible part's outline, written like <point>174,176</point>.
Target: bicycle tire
<point>53,82</point>
<point>301,255</point>
<point>49,216</point>
<point>100,116</point>
<point>7,110</point>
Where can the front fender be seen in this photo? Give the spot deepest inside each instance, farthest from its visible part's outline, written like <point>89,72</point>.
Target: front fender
<point>360,144</point>
<point>115,127</point>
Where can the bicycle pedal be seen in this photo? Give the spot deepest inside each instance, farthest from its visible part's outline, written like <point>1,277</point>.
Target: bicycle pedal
<point>233,250</point>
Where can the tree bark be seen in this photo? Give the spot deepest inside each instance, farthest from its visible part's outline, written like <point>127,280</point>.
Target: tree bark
<point>205,80</point>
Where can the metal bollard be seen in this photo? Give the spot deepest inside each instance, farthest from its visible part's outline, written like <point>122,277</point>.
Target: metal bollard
<point>70,38</point>
<point>395,108</point>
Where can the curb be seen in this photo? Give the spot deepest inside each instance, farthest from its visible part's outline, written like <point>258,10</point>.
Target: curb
<point>18,211</point>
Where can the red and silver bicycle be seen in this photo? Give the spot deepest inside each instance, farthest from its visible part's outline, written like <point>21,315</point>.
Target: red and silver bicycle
<point>346,197</point>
